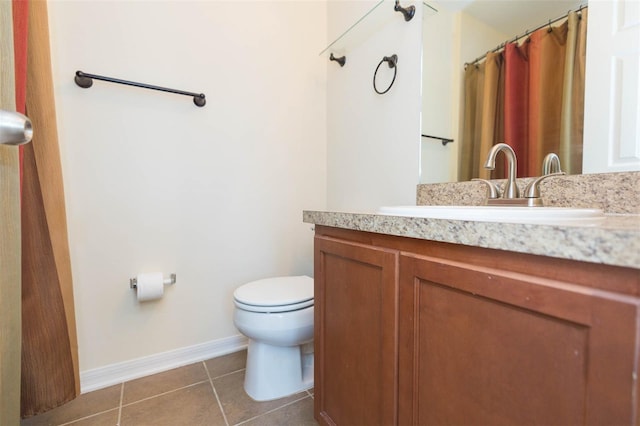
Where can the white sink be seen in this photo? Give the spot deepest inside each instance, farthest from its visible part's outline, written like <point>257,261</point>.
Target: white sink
<point>512,214</point>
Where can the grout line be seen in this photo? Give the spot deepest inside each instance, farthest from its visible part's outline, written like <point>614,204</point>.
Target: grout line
<point>224,416</point>
<point>70,422</point>
<point>226,374</point>
<point>120,405</point>
<point>271,411</point>
<point>165,393</point>
<point>119,408</point>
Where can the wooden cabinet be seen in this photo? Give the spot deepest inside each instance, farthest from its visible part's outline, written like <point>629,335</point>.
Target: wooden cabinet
<point>356,292</point>
<point>415,332</point>
<point>489,346</point>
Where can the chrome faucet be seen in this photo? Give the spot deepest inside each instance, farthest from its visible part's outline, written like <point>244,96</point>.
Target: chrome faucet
<point>510,188</point>
<point>550,167</point>
<point>511,194</point>
<point>551,164</point>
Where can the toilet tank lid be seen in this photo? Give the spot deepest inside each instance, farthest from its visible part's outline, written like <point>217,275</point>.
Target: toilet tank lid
<point>275,291</point>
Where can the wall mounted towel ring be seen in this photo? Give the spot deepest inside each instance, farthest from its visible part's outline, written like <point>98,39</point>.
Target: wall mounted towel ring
<point>392,61</point>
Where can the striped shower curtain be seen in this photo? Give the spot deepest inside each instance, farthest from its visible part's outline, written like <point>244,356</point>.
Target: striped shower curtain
<point>531,96</point>
<point>48,362</point>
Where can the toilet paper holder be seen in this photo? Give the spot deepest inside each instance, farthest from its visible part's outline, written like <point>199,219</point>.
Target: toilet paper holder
<point>133,282</point>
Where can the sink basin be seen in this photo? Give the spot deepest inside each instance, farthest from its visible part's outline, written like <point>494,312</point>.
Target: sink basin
<point>511,214</point>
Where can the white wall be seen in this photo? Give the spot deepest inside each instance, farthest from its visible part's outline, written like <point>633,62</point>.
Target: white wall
<point>373,141</point>
<point>439,111</point>
<point>451,39</point>
<point>154,183</point>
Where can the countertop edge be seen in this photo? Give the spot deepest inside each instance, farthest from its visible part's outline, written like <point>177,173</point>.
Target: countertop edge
<point>616,242</point>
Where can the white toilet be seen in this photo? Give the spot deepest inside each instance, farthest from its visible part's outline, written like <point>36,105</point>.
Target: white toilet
<point>276,314</point>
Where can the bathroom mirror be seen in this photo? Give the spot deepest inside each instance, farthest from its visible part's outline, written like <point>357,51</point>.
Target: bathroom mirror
<point>446,48</point>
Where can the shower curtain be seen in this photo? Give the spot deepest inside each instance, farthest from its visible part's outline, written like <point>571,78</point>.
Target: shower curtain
<point>49,360</point>
<point>484,111</point>
<point>530,96</point>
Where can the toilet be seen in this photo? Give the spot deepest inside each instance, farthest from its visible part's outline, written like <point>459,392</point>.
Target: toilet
<point>276,315</point>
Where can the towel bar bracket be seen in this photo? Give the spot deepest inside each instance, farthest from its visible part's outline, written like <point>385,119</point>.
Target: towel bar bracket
<point>83,81</point>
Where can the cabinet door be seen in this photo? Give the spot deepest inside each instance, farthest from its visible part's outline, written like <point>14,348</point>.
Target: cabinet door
<point>355,333</point>
<point>484,346</point>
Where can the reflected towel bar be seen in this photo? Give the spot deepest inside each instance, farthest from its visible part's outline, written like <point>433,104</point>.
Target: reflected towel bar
<point>445,141</point>
<point>85,80</point>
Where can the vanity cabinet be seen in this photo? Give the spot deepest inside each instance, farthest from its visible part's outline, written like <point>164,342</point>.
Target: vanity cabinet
<point>416,332</point>
<point>355,301</point>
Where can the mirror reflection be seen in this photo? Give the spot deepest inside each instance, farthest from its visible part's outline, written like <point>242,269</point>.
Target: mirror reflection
<point>508,72</point>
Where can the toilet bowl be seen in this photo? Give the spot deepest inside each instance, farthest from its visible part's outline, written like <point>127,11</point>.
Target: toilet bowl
<point>276,315</point>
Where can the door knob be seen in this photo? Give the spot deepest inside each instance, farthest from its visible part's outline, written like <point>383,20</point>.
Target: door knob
<point>15,128</point>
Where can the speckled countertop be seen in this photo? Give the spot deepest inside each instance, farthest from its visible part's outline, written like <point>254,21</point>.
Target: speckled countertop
<point>614,240</point>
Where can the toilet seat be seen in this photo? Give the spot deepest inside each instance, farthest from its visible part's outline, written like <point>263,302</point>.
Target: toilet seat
<point>281,294</point>
<point>273,309</point>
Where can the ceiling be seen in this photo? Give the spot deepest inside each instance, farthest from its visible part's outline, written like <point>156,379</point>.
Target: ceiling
<point>513,17</point>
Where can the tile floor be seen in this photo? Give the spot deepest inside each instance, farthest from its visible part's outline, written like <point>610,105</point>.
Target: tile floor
<point>204,393</point>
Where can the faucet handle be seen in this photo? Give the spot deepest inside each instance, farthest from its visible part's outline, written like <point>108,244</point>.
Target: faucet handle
<point>533,188</point>
<point>492,189</point>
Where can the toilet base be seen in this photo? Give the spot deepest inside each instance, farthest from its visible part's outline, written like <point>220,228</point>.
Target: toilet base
<point>277,371</point>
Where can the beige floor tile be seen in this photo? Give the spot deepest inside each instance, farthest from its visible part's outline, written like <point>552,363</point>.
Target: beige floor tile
<point>192,406</point>
<point>110,418</point>
<point>299,413</point>
<point>227,364</point>
<point>182,396</point>
<point>83,406</point>
<point>237,405</point>
<point>146,387</point>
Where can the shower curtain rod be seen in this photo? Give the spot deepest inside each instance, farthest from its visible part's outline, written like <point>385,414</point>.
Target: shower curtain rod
<point>85,80</point>
<point>518,37</point>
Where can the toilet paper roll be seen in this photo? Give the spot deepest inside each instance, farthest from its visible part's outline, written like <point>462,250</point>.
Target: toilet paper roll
<point>149,286</point>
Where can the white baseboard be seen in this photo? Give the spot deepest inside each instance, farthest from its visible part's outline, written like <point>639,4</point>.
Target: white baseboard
<point>113,374</point>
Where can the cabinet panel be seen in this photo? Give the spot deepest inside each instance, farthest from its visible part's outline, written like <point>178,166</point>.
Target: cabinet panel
<point>484,346</point>
<point>355,333</point>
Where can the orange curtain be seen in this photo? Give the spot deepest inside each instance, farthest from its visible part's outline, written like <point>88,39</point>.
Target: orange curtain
<point>469,159</point>
<point>539,106</point>
<point>49,344</point>
<point>483,124</point>
<point>556,93</point>
<point>546,71</point>
<point>571,128</point>
<point>492,130</point>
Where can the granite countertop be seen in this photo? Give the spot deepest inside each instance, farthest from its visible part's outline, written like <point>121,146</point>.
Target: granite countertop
<point>615,240</point>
